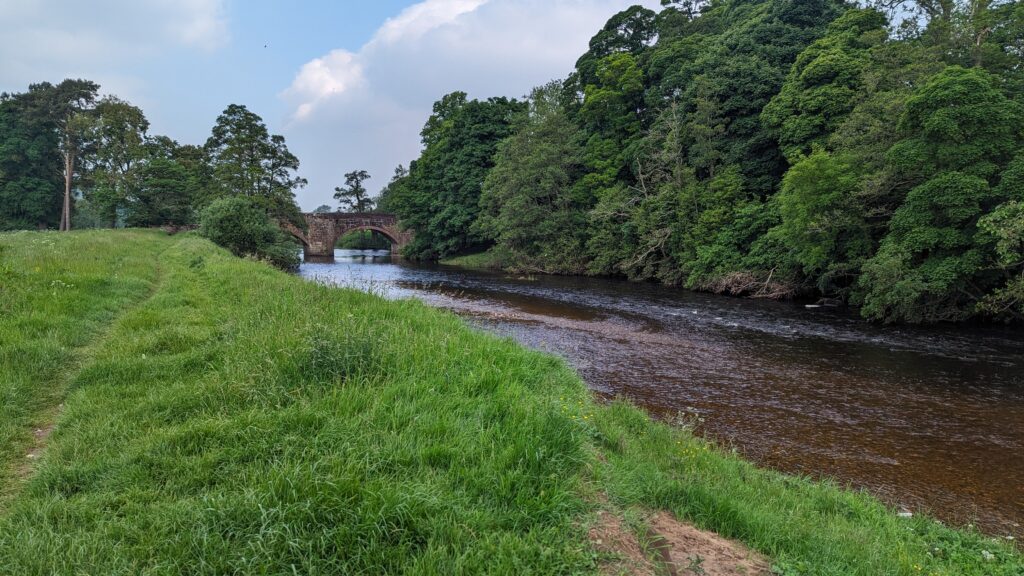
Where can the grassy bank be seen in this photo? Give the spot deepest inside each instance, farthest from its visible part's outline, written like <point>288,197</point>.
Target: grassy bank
<point>216,416</point>
<point>489,260</point>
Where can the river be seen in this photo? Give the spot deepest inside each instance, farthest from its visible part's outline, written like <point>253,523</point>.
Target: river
<point>931,420</point>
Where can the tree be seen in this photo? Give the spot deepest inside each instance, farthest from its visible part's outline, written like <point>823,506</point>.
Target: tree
<point>247,161</point>
<point>705,128</point>
<point>663,206</point>
<point>353,197</point>
<point>119,146</point>
<point>766,147</point>
<point>161,197</point>
<point>630,31</point>
<point>959,121</point>
<point>31,168</point>
<point>926,268</point>
<point>44,131</point>
<point>1005,226</point>
<point>691,8</point>
<point>745,68</point>
<point>527,205</point>
<point>71,103</point>
<point>934,264</point>
<point>822,87</point>
<point>613,105</point>
<point>440,199</point>
<point>822,224</point>
<point>323,209</point>
<point>385,202</point>
<point>202,184</point>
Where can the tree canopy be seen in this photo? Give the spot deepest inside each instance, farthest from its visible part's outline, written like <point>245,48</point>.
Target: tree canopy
<point>66,152</point>
<point>868,153</point>
<point>353,197</point>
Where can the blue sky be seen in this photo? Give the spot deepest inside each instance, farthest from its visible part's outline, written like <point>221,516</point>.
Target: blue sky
<point>348,83</point>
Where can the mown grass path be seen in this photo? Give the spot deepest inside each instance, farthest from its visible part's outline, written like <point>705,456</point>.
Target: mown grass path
<point>236,420</point>
<point>44,421</point>
<point>58,296</point>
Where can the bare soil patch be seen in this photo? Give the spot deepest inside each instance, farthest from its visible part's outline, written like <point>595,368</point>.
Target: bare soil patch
<point>671,547</point>
<point>621,552</point>
<point>685,549</point>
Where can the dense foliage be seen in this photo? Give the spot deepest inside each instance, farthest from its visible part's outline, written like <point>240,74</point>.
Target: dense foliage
<point>247,160</point>
<point>65,139</point>
<point>440,196</point>
<point>242,226</point>
<point>869,153</point>
<point>39,131</point>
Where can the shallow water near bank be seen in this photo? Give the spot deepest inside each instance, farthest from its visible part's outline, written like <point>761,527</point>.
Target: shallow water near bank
<point>927,419</point>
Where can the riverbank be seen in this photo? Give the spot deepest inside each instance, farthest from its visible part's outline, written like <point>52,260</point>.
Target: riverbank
<point>489,260</point>
<point>210,414</point>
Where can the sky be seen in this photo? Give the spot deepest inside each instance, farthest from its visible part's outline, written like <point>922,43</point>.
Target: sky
<point>349,83</point>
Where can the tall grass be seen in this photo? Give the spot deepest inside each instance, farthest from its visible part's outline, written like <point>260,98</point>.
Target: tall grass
<point>222,417</point>
<point>57,294</point>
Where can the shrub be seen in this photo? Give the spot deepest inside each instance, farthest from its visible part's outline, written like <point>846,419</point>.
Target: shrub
<point>240,225</point>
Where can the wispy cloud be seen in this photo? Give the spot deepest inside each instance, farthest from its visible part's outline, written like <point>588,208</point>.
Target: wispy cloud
<point>321,78</point>
<point>418,19</point>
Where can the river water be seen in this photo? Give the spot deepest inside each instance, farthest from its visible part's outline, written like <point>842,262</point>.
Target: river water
<point>927,419</point>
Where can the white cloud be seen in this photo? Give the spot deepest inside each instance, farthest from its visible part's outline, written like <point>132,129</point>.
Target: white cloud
<point>319,79</point>
<point>365,109</point>
<point>418,19</point>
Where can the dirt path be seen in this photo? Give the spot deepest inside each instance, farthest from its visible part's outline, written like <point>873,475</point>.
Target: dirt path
<point>47,419</point>
<point>670,547</point>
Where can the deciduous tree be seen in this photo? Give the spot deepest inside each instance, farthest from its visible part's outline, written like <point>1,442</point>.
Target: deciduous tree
<point>353,197</point>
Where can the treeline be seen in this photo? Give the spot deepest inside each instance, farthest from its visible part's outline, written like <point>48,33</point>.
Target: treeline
<point>70,158</point>
<point>774,148</point>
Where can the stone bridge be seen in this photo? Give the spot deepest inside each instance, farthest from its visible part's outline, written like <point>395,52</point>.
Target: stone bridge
<point>325,229</point>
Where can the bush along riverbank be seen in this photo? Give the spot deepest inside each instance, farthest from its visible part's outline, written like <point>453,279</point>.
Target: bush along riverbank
<point>169,408</point>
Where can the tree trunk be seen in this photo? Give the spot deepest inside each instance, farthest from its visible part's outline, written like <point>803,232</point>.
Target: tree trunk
<point>69,167</point>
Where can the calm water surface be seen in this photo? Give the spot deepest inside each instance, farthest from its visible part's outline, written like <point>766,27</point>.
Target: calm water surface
<point>928,419</point>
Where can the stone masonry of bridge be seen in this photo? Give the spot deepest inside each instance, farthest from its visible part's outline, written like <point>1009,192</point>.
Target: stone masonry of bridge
<point>324,230</point>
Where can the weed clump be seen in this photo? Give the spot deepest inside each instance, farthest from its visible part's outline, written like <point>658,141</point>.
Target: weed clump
<point>334,358</point>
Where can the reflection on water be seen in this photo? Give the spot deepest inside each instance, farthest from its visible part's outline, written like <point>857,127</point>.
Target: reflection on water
<point>930,419</point>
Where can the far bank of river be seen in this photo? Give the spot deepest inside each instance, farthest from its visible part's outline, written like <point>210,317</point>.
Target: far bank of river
<point>928,419</point>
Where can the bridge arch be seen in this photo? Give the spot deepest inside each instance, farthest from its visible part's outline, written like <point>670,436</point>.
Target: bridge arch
<point>382,231</point>
<point>324,230</point>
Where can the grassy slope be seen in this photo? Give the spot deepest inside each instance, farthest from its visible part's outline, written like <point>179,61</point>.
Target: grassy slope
<point>233,419</point>
<point>489,260</point>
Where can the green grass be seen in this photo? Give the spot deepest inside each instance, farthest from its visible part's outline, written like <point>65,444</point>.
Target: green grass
<point>54,302</point>
<point>222,417</point>
<point>489,260</point>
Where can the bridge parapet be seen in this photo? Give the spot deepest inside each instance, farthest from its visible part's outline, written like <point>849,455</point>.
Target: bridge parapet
<point>326,228</point>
